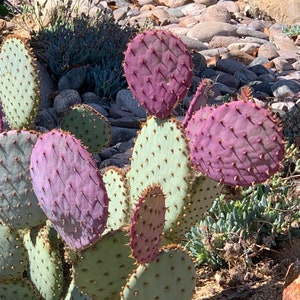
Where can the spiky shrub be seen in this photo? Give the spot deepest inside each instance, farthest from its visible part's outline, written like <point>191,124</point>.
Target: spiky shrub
<point>97,42</point>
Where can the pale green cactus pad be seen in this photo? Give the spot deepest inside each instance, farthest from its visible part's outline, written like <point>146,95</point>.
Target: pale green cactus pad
<point>118,194</point>
<point>89,126</point>
<point>18,289</point>
<point>161,156</point>
<point>171,276</point>
<point>45,263</point>
<point>103,268</point>
<point>203,192</point>
<point>13,256</point>
<point>19,206</point>
<point>19,82</point>
<point>74,293</point>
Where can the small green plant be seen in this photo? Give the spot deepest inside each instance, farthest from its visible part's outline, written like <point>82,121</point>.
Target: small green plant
<point>292,31</point>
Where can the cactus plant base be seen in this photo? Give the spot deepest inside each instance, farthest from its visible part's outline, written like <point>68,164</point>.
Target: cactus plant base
<point>171,276</point>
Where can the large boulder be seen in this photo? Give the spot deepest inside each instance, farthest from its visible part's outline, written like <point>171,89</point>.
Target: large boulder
<point>286,12</point>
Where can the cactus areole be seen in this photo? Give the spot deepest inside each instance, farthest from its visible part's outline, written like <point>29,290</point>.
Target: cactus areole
<point>158,69</point>
<point>69,188</point>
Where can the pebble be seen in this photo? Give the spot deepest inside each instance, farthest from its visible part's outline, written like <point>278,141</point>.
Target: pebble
<point>228,47</point>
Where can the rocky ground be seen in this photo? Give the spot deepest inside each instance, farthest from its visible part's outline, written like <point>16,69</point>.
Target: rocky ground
<point>233,46</point>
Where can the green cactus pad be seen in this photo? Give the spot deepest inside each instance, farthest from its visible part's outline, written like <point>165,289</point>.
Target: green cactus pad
<point>18,289</point>
<point>18,204</point>
<point>92,128</point>
<point>147,225</point>
<point>103,268</point>
<point>13,256</point>
<point>171,276</point>
<point>74,293</point>
<point>202,194</point>
<point>45,263</point>
<point>161,156</point>
<point>118,194</point>
<point>19,80</point>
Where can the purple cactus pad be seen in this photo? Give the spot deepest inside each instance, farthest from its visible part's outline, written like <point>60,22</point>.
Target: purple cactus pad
<point>238,144</point>
<point>158,69</point>
<point>69,188</point>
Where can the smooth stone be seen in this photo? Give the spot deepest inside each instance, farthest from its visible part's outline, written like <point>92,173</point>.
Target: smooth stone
<point>90,97</point>
<point>116,111</point>
<point>107,153</point>
<point>244,47</point>
<point>47,118</point>
<point>283,88</point>
<point>123,147</point>
<point>251,39</point>
<point>268,50</point>
<point>209,73</point>
<point>127,122</point>
<point>65,99</point>
<point>241,56</point>
<point>193,43</point>
<point>294,75</point>
<point>229,65</point>
<point>282,64</point>
<point>100,109</point>
<point>171,3</point>
<point>228,80</point>
<point>217,13</point>
<point>214,52</point>
<point>73,79</point>
<point>206,2</point>
<point>119,160</point>
<point>222,41</point>
<point>261,86</point>
<point>259,69</point>
<point>175,12</point>
<point>178,30</point>
<point>47,87</point>
<point>245,75</point>
<point>231,6</point>
<point>193,9</point>
<point>199,63</point>
<point>259,60</point>
<point>126,100</point>
<point>122,134</point>
<point>205,31</point>
<point>267,77</point>
<point>244,31</point>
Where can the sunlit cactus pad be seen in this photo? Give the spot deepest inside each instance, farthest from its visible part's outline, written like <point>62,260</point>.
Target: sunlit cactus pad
<point>89,126</point>
<point>239,143</point>
<point>19,81</point>
<point>118,194</point>
<point>18,203</point>
<point>161,156</point>
<point>70,188</point>
<point>158,69</point>
<point>103,268</point>
<point>147,225</point>
<point>171,276</point>
<point>45,261</point>
<point>13,256</point>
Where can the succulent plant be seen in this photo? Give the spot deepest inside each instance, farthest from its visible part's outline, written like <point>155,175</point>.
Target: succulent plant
<point>171,276</point>
<point>19,205</point>
<point>87,125</point>
<point>239,143</point>
<point>158,69</point>
<point>147,225</point>
<point>19,78</point>
<point>70,188</point>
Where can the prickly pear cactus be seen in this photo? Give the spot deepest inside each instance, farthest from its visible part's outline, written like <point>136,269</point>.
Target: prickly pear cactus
<point>45,261</point>
<point>73,293</point>
<point>238,144</point>
<point>18,289</point>
<point>158,69</point>
<point>19,81</point>
<point>118,194</point>
<point>102,269</point>
<point>171,276</point>
<point>70,188</point>
<point>89,126</point>
<point>13,256</point>
<point>161,156</point>
<point>147,225</point>
<point>19,205</point>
